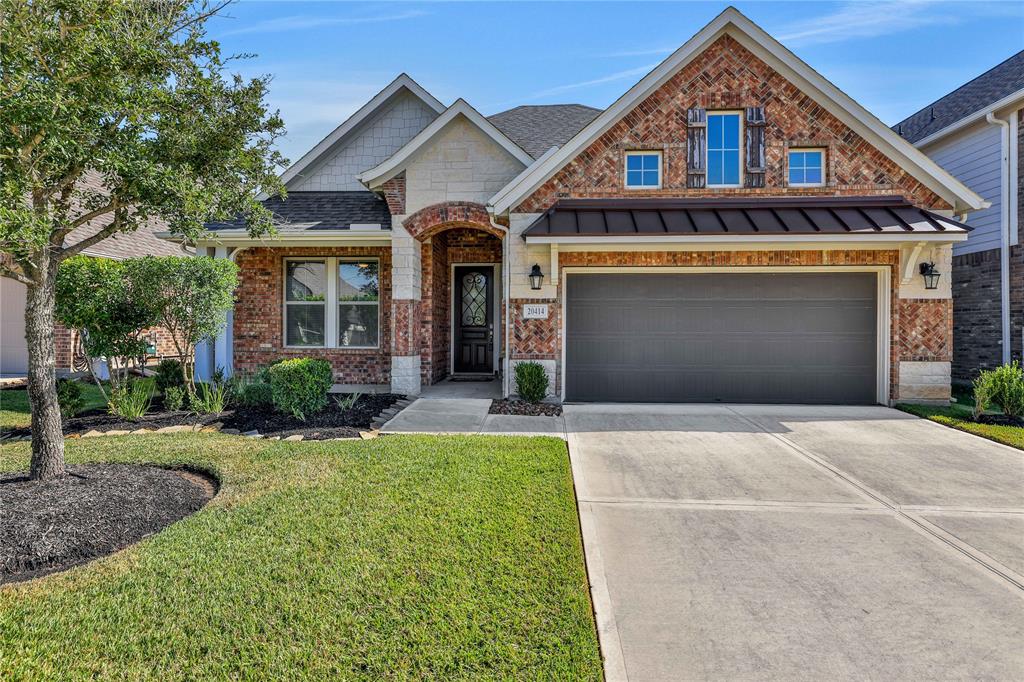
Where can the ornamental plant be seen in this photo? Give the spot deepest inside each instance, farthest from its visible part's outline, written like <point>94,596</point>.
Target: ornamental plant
<point>1006,387</point>
<point>531,381</point>
<point>113,114</point>
<point>299,387</point>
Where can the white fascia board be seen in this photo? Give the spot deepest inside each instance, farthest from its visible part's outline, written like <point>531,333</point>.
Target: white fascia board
<point>364,237</point>
<point>1016,98</point>
<point>760,240</point>
<point>396,163</point>
<point>367,110</point>
<point>756,40</point>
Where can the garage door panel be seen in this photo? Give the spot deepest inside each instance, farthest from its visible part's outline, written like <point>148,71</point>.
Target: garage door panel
<point>751,337</point>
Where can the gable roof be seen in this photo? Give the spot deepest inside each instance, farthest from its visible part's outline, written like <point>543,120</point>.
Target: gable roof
<point>401,84</point>
<point>394,165</point>
<point>538,128</point>
<point>1003,81</point>
<point>308,211</point>
<point>773,53</point>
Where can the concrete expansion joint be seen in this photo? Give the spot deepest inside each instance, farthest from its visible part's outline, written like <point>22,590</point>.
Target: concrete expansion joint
<point>977,558</point>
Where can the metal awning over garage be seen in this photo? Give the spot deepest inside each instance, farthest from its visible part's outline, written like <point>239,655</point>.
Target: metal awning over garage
<point>763,217</point>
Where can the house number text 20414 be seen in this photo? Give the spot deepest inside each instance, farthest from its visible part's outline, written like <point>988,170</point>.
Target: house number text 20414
<point>535,311</point>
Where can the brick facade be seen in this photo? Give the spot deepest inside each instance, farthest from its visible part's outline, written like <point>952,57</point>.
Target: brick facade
<point>259,323</point>
<point>920,328</point>
<point>727,76</point>
<point>394,194</point>
<point>66,340</point>
<point>977,315</point>
<point>444,216</point>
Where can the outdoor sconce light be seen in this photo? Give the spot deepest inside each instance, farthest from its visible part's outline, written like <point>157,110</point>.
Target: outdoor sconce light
<point>536,277</point>
<point>931,275</point>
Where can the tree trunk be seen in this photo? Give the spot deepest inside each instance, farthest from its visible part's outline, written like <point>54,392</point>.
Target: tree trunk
<point>47,431</point>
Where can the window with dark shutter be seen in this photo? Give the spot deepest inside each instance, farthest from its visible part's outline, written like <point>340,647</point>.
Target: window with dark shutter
<point>755,147</point>
<point>696,148</point>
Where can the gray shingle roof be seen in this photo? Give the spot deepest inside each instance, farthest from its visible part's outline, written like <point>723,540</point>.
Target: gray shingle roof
<point>539,128</point>
<point>321,211</point>
<point>989,87</point>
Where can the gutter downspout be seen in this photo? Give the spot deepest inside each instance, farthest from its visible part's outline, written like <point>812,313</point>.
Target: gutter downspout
<point>506,282</point>
<point>1005,192</point>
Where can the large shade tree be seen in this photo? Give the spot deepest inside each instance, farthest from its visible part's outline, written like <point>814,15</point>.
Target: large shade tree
<point>112,114</point>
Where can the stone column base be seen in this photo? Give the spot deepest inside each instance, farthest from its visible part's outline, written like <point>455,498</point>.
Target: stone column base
<point>405,374</point>
<point>925,382</point>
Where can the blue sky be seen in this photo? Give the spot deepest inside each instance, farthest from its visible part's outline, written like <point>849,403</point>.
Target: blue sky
<point>328,58</point>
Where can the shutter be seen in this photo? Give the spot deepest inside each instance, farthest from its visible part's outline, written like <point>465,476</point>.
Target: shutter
<point>696,148</point>
<point>755,147</point>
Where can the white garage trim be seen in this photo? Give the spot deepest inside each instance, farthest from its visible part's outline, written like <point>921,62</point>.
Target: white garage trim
<point>883,327</point>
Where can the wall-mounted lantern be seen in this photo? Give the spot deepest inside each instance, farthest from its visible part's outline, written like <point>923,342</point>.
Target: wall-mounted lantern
<point>536,277</point>
<point>931,275</point>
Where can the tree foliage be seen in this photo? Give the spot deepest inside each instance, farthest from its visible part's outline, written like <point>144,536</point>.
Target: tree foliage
<point>191,297</point>
<point>111,309</point>
<point>115,114</point>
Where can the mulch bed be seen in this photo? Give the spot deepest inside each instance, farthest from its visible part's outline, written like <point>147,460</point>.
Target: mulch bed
<point>95,510</point>
<point>1000,420</point>
<point>332,422</point>
<point>525,409</point>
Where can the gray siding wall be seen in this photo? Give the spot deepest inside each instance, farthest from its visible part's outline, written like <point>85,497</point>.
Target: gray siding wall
<point>376,140</point>
<point>972,157</point>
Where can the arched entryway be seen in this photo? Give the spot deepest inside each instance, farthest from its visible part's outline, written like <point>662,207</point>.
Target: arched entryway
<point>461,321</point>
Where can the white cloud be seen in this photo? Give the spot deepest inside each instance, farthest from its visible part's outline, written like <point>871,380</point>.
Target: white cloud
<point>610,78</point>
<point>864,20</point>
<point>300,21</point>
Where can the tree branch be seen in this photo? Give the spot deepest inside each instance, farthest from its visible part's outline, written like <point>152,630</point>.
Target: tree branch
<point>114,226</point>
<point>111,205</point>
<point>6,271</point>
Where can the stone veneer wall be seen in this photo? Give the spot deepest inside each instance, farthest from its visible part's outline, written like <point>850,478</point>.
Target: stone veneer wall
<point>728,76</point>
<point>921,328</point>
<point>977,331</point>
<point>258,324</point>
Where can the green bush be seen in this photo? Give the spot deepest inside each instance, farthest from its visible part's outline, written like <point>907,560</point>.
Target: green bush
<point>982,394</point>
<point>174,398</point>
<point>1006,386</point>
<point>168,375</point>
<point>300,386</point>
<point>210,398</point>
<point>250,390</point>
<point>69,397</point>
<point>531,381</point>
<point>130,400</point>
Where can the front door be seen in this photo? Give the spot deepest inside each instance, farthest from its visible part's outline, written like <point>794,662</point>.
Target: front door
<point>473,344</point>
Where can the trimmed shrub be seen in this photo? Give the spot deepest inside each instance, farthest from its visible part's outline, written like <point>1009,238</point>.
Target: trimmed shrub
<point>174,398</point>
<point>250,390</point>
<point>69,397</point>
<point>169,373</point>
<point>1007,388</point>
<point>531,381</point>
<point>299,387</point>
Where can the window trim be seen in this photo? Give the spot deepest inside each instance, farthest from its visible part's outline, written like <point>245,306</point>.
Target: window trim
<point>739,114</point>
<point>331,302</point>
<point>643,152</point>
<point>824,166</point>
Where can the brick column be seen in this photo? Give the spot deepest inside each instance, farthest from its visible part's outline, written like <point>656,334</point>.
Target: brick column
<point>405,310</point>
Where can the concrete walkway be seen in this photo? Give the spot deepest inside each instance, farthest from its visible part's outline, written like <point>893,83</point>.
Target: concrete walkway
<point>469,415</point>
<point>798,543</point>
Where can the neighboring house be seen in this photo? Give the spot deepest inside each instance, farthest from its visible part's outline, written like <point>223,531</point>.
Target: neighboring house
<point>976,132</point>
<point>13,349</point>
<point>732,228</point>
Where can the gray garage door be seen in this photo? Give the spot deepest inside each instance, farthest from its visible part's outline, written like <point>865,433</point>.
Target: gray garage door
<point>752,337</point>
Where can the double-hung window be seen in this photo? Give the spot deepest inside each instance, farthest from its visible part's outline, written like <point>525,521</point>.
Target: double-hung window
<point>643,170</point>
<point>806,167</point>
<point>723,166</point>
<point>332,303</point>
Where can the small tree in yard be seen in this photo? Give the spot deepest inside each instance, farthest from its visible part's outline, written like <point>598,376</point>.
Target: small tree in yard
<point>96,297</point>
<point>191,297</point>
<point>112,113</point>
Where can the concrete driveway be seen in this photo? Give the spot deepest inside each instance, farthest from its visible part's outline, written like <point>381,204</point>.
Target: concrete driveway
<point>780,542</point>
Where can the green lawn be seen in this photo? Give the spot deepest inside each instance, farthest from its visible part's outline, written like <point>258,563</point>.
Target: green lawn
<point>959,416</point>
<point>399,557</point>
<point>14,412</point>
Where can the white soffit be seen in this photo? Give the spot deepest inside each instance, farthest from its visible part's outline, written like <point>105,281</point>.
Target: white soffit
<point>765,47</point>
<point>403,82</point>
